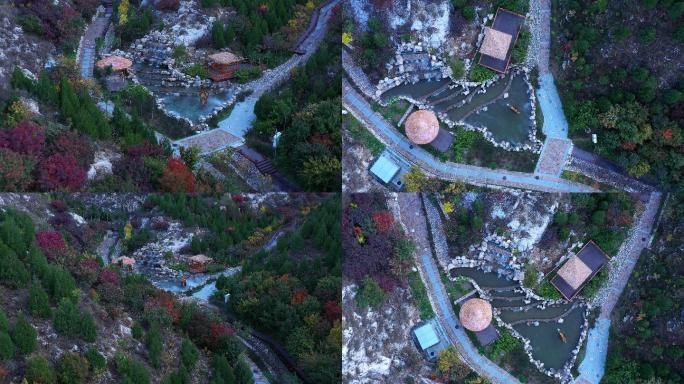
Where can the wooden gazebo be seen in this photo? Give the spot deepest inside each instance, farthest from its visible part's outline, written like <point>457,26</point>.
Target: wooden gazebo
<point>223,65</point>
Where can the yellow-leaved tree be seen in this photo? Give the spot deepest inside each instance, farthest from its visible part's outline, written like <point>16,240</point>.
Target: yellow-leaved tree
<point>123,12</point>
<point>128,231</point>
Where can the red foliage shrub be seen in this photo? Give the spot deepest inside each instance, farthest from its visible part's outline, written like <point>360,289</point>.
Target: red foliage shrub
<point>299,295</point>
<point>58,205</point>
<point>238,198</point>
<point>383,221</point>
<point>177,177</point>
<point>72,143</point>
<point>166,301</point>
<point>15,171</point>
<point>218,330</point>
<point>26,138</point>
<point>332,311</point>
<point>51,243</point>
<point>61,172</point>
<point>107,276</point>
<point>159,224</point>
<point>168,5</point>
<point>386,282</point>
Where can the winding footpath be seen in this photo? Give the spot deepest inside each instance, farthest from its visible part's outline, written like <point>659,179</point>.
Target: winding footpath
<point>87,48</point>
<point>392,138</point>
<point>414,222</point>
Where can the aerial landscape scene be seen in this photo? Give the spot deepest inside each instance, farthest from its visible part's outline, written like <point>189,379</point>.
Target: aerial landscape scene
<point>101,288</point>
<point>341,191</point>
<point>555,96</point>
<point>511,287</point>
<point>169,95</point>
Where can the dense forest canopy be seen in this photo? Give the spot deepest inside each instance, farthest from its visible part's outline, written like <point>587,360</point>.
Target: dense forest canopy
<point>293,292</point>
<point>616,81</point>
<point>306,112</point>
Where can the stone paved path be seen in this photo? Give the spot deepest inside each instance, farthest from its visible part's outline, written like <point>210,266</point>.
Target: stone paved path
<point>415,225</point>
<point>87,49</point>
<point>389,135</point>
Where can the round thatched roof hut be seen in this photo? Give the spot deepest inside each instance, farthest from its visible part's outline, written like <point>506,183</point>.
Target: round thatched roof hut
<point>118,63</point>
<point>422,127</point>
<point>475,314</point>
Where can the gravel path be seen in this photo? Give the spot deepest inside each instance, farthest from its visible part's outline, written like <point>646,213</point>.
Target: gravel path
<point>389,135</point>
<point>87,49</point>
<point>414,222</point>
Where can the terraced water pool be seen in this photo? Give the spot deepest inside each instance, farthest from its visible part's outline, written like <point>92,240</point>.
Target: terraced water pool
<point>540,326</point>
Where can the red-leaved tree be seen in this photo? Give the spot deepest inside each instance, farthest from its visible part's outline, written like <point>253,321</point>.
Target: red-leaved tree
<point>62,173</point>
<point>75,144</point>
<point>26,138</point>
<point>51,243</point>
<point>383,221</point>
<point>177,177</point>
<point>15,171</point>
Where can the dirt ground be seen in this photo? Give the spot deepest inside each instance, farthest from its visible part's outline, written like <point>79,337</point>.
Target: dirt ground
<point>377,345</point>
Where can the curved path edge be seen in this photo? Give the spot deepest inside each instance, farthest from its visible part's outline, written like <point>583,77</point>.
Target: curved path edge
<point>471,174</point>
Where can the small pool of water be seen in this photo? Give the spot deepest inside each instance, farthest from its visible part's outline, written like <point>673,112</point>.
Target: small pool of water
<point>501,120</point>
<point>535,313</point>
<point>415,91</point>
<point>188,105</point>
<point>478,99</point>
<point>547,346</point>
<point>483,279</point>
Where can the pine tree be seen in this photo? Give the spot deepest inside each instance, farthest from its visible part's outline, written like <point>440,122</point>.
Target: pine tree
<point>223,373</point>
<point>243,374</point>
<point>153,342</point>
<point>24,335</point>
<point>39,302</point>
<point>67,318</point>
<point>88,330</point>
<point>217,35</point>
<point>6,347</point>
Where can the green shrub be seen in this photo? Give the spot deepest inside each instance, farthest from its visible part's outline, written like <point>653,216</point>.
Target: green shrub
<point>154,345</point>
<point>6,347</point>
<point>39,302</point>
<point>647,35</point>
<point>131,371</point>
<point>370,293</point>
<point>458,4</point>
<point>189,353</point>
<point>243,373</point>
<point>4,324</point>
<point>38,370</point>
<point>481,74</point>
<point>72,368</point>
<point>181,376</point>
<point>457,67</point>
<point>88,331</point>
<point>66,320</point>
<point>197,70</point>
<point>30,24</point>
<point>244,75</point>
<point>137,330</point>
<point>468,13</point>
<point>98,363</point>
<point>24,335</point>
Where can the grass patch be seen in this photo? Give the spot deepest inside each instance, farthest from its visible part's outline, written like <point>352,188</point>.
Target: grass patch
<point>359,133</point>
<point>420,296</point>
